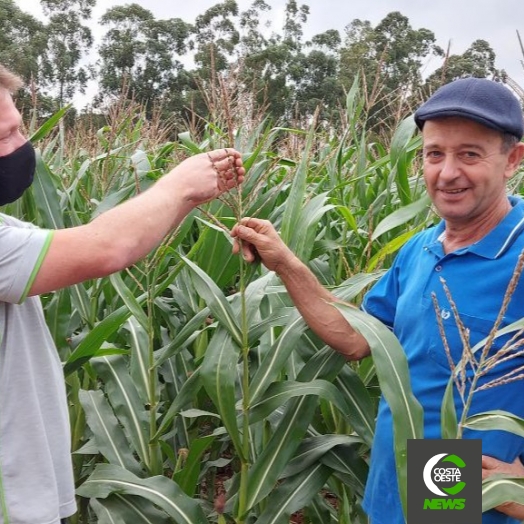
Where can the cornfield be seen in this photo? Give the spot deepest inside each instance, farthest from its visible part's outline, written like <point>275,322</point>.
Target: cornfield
<point>196,392</point>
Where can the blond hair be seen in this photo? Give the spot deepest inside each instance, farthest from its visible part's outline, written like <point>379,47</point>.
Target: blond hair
<point>9,80</point>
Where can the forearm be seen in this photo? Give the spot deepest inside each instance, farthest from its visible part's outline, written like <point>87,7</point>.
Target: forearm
<point>131,230</point>
<point>113,241</point>
<point>255,237</point>
<point>315,304</point>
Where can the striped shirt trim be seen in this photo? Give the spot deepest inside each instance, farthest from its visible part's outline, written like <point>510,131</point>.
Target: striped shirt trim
<point>511,237</point>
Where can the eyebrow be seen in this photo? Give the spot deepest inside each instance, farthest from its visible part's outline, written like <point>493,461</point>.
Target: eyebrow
<point>460,146</point>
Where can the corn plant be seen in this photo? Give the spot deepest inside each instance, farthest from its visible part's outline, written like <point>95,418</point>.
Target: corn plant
<point>197,392</point>
<point>469,376</point>
<point>222,325</point>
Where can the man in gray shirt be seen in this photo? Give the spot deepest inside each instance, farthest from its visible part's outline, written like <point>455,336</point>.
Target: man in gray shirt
<point>36,478</point>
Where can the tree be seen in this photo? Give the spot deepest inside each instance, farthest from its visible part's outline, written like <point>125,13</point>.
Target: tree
<point>138,54</point>
<point>216,38</point>
<point>318,85</point>
<point>23,50</point>
<point>23,42</point>
<point>251,38</point>
<point>68,42</point>
<point>273,70</point>
<point>478,61</point>
<point>388,58</point>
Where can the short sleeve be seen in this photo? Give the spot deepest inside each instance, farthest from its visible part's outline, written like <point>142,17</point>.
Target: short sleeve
<point>381,300</point>
<point>22,250</point>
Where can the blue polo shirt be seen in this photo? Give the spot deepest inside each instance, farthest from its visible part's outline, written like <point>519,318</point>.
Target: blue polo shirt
<point>477,277</point>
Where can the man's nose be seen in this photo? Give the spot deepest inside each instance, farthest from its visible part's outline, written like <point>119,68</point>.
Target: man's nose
<point>449,168</point>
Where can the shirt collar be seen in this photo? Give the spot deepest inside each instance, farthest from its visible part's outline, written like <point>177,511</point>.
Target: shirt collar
<point>497,241</point>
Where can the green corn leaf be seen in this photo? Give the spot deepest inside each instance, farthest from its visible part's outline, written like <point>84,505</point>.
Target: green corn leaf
<point>297,193</point>
<point>393,374</point>
<point>498,489</point>
<point>319,511</point>
<point>354,102</point>
<point>163,492</point>
<point>291,428</point>
<point>107,432</point>
<point>185,396</point>
<point>354,285</point>
<point>280,392</point>
<point>215,300</point>
<point>185,139</point>
<point>125,400</point>
<point>313,449</point>
<point>398,154</point>
<point>217,245</point>
<point>279,450</point>
<point>218,373</point>
<point>293,494</point>
<point>515,326</point>
<point>361,410</point>
<point>348,216</point>
<point>49,125</point>
<point>278,318</point>
<point>177,372</point>
<point>391,247</point>
<point>129,299</point>
<point>277,356</point>
<point>496,420</point>
<point>46,196</point>
<point>113,199</point>
<point>187,334</point>
<point>254,294</point>
<point>109,513</point>
<point>81,302</point>
<point>448,413</point>
<point>347,465</point>
<point>91,344</point>
<point>401,216</point>
<point>123,509</point>
<point>58,317</point>
<point>139,361</point>
<point>187,477</point>
<point>305,228</point>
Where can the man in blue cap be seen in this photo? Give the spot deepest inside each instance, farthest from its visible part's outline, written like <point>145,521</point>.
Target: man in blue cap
<point>471,131</point>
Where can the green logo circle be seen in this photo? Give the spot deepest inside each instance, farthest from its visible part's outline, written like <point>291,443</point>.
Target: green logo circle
<point>433,475</point>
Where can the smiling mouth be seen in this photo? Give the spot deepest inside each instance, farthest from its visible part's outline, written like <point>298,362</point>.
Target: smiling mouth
<point>453,191</point>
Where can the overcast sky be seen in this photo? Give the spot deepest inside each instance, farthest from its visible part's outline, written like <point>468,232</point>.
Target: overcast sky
<point>460,22</point>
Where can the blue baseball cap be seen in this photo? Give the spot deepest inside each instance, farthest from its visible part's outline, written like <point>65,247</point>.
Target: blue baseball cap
<point>487,102</point>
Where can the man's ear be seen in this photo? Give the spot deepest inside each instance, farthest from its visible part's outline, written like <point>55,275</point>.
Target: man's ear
<point>514,159</point>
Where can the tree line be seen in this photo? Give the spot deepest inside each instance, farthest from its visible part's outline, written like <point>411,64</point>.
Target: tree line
<point>238,61</point>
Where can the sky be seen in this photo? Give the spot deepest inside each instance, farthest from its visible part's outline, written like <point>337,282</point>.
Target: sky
<point>455,22</point>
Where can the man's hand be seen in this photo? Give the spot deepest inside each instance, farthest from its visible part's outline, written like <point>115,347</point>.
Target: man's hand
<point>258,238</point>
<point>206,176</point>
<point>492,466</point>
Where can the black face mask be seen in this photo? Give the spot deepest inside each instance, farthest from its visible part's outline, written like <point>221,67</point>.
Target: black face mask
<point>16,173</point>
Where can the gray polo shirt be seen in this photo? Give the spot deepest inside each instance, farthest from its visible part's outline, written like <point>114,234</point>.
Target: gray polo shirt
<point>36,477</point>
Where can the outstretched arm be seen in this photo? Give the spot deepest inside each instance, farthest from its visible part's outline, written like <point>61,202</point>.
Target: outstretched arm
<point>125,234</point>
<point>255,237</point>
